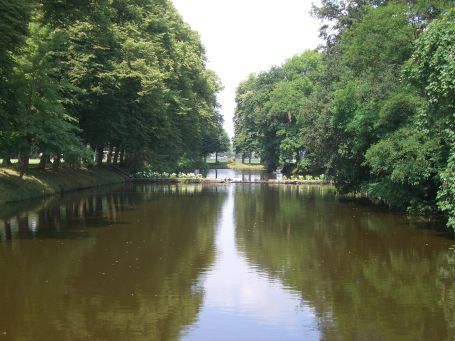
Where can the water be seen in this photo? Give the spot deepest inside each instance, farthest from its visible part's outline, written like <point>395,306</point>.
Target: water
<point>228,262</point>
<point>244,175</point>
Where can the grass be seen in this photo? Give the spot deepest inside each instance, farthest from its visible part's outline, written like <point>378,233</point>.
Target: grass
<point>236,165</point>
<point>39,183</point>
<point>15,161</point>
<point>251,166</point>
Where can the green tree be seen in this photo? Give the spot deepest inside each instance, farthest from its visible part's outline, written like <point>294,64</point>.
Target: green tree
<point>40,121</point>
<point>270,107</point>
<point>432,69</point>
<point>14,20</point>
<point>127,76</point>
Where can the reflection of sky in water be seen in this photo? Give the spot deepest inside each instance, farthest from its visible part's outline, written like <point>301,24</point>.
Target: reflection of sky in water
<point>244,175</point>
<point>242,303</point>
<point>33,222</point>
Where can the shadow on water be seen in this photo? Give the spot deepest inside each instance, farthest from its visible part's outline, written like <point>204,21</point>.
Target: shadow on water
<point>133,277</point>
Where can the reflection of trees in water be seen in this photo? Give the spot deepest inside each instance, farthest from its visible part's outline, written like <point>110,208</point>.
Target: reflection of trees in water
<point>69,216</point>
<point>367,274</point>
<point>446,284</point>
<point>65,216</point>
<point>135,280</point>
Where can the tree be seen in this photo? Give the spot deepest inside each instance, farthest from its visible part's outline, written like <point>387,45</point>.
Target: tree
<point>246,137</point>
<point>269,108</point>
<point>40,121</point>
<point>14,20</point>
<point>374,109</point>
<point>127,76</point>
<point>432,69</point>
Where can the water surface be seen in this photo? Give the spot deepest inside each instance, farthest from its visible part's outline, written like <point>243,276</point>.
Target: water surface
<point>244,175</point>
<point>232,262</point>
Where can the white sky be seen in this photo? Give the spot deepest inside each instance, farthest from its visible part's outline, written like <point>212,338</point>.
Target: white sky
<point>245,36</point>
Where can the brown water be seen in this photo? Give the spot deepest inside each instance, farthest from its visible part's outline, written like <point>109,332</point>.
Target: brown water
<point>234,262</point>
<point>243,175</point>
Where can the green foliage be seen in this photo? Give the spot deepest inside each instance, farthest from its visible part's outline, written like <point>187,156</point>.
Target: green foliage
<point>374,110</point>
<point>150,174</point>
<point>126,76</point>
<point>303,178</point>
<point>14,18</point>
<point>382,38</point>
<point>408,156</point>
<point>446,194</point>
<point>405,166</point>
<point>40,122</point>
<point>304,165</point>
<point>432,69</point>
<point>269,107</point>
<point>432,65</point>
<point>215,138</point>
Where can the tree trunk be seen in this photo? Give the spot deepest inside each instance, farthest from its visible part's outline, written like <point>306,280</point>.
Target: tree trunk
<point>109,155</point>
<point>216,157</point>
<point>328,167</point>
<point>122,157</point>
<point>24,160</point>
<point>297,158</point>
<point>243,158</point>
<point>249,159</point>
<point>7,162</point>
<point>57,162</point>
<point>43,161</point>
<point>99,155</point>
<point>115,159</point>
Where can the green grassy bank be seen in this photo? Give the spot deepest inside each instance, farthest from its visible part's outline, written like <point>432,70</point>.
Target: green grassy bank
<point>39,183</point>
<point>235,165</point>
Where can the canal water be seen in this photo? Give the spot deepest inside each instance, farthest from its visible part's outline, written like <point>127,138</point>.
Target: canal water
<point>242,175</point>
<point>221,262</point>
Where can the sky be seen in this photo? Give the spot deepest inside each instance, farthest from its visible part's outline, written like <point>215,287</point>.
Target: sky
<point>238,293</point>
<point>248,36</point>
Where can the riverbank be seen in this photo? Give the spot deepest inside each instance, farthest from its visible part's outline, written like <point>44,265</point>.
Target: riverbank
<point>226,181</point>
<point>42,183</point>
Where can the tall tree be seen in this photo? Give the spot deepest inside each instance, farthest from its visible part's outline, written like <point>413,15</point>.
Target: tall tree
<point>14,21</point>
<point>40,121</point>
<point>432,69</point>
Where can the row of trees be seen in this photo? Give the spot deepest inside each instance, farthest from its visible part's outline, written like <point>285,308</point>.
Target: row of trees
<point>374,107</point>
<point>127,76</point>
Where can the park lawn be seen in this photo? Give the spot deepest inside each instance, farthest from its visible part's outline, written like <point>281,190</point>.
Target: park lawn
<point>251,166</point>
<point>236,165</point>
<point>31,161</point>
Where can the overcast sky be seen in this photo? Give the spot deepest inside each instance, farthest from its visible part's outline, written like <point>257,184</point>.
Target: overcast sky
<point>245,36</point>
